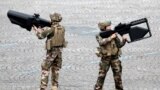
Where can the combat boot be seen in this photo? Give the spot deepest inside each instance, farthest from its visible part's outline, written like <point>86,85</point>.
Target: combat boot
<point>97,87</point>
<point>54,88</point>
<point>42,89</point>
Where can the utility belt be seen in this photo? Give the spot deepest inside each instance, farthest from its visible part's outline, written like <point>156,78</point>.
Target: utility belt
<point>57,47</point>
<point>107,56</point>
<point>105,53</point>
<point>111,57</point>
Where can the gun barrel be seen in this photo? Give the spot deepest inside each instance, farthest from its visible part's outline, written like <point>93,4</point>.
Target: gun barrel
<point>17,15</point>
<point>21,19</point>
<point>27,21</point>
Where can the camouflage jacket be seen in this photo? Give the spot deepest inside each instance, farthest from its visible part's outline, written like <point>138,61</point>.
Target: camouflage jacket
<point>55,36</point>
<point>108,46</point>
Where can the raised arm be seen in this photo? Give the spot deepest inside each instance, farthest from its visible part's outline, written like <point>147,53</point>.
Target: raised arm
<point>103,41</point>
<point>120,43</point>
<point>42,32</point>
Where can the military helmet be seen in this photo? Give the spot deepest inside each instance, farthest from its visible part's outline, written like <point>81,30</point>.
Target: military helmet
<point>103,25</point>
<point>56,17</point>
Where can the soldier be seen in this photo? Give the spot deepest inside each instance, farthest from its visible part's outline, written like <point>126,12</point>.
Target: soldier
<point>109,51</point>
<point>55,42</point>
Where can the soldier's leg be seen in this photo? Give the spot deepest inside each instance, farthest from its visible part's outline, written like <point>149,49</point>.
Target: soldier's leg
<point>45,70</point>
<point>104,67</point>
<point>55,71</point>
<point>117,73</point>
<point>44,75</point>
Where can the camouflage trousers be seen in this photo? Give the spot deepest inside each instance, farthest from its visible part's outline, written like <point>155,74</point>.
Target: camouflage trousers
<point>116,67</point>
<point>52,63</point>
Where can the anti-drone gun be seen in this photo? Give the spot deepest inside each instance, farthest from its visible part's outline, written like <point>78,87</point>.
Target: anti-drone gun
<point>135,32</point>
<point>27,21</point>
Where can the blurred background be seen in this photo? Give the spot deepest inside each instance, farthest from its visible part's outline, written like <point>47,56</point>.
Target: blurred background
<point>21,53</point>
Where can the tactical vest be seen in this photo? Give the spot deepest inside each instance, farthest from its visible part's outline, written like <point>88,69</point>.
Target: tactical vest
<point>110,49</point>
<point>56,39</point>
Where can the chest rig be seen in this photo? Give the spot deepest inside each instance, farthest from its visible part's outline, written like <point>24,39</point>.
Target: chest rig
<point>56,38</point>
<point>110,49</point>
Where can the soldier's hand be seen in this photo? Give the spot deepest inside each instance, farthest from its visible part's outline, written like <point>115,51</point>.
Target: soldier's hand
<point>113,36</point>
<point>124,38</point>
<point>37,30</point>
<point>34,28</point>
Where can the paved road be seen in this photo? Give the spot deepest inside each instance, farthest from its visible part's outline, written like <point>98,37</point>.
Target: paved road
<point>21,53</point>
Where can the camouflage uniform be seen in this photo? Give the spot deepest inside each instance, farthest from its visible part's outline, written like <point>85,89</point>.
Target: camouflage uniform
<point>54,43</point>
<point>109,51</point>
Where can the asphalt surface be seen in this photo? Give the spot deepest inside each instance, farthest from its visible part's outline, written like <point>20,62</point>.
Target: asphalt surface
<point>21,53</point>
